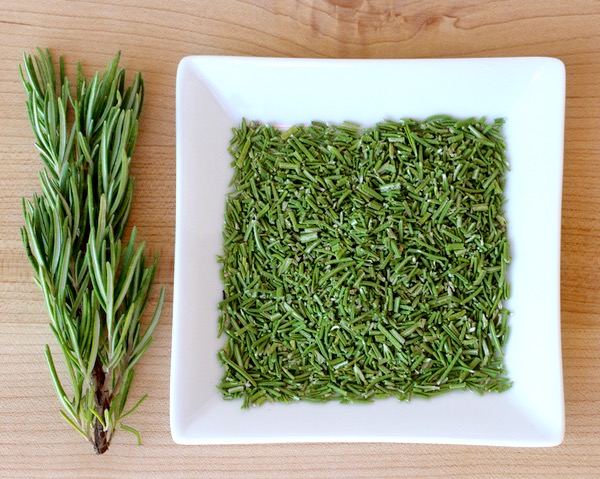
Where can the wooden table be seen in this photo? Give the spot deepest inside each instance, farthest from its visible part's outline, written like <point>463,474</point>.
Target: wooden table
<point>153,36</point>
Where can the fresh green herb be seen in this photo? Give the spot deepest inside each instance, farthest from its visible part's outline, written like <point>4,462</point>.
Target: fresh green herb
<point>96,288</point>
<point>365,263</point>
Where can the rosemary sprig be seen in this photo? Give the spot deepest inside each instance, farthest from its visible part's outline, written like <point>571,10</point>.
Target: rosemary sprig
<point>96,288</point>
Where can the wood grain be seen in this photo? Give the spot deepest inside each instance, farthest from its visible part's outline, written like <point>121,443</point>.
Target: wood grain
<point>153,36</point>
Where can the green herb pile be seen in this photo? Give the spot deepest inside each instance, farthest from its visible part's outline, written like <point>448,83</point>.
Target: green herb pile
<point>96,285</point>
<point>363,263</point>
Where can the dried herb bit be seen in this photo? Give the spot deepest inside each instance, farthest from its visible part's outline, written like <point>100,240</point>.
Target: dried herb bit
<point>96,287</point>
<point>365,263</point>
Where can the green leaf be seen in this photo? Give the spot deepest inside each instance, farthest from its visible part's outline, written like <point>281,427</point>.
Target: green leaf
<point>133,431</point>
<point>136,405</point>
<point>72,423</point>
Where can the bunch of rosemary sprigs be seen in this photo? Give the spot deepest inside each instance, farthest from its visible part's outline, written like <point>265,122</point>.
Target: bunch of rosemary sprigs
<point>96,286</point>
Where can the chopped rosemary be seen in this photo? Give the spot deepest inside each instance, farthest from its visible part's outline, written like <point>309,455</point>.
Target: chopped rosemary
<point>361,263</point>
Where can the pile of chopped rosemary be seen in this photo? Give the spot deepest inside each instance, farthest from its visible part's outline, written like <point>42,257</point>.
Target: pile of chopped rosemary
<point>362,263</point>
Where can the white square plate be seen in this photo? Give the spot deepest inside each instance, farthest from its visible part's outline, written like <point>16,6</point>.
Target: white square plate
<point>215,93</point>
